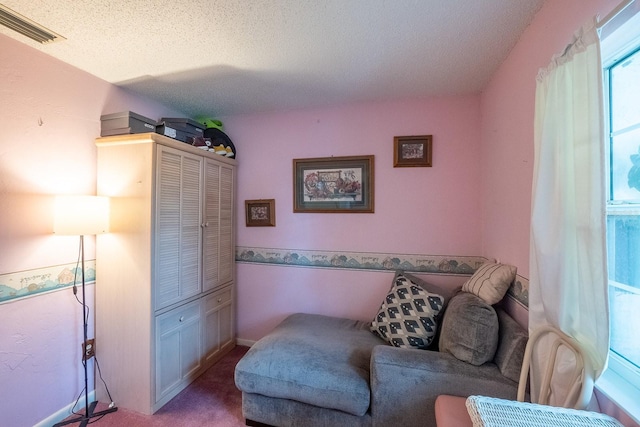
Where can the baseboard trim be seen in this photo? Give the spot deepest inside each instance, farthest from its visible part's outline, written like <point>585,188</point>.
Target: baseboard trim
<point>245,343</point>
<point>64,412</point>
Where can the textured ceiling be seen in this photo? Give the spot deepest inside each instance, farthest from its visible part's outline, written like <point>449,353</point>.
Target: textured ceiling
<point>222,57</point>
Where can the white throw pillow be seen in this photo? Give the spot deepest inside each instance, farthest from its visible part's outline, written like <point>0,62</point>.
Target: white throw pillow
<point>491,281</point>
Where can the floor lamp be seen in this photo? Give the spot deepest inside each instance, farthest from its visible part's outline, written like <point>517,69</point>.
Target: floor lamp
<point>81,216</point>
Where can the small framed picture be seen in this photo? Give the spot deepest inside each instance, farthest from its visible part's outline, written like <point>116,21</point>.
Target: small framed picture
<point>412,151</point>
<point>260,213</point>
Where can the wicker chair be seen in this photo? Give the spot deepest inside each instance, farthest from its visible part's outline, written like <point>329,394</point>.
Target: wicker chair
<point>578,383</point>
<point>454,411</point>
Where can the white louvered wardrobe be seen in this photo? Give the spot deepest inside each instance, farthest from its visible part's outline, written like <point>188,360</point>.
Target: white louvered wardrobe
<point>165,274</point>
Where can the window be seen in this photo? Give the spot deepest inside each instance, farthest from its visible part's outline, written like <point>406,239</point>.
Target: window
<point>623,207</point>
<point>622,92</point>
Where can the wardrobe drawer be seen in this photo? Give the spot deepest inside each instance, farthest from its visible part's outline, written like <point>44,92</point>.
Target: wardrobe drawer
<point>178,316</point>
<point>218,298</point>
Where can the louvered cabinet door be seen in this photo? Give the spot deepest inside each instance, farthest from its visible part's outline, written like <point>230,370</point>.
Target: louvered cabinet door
<point>227,242</point>
<point>178,244</point>
<point>211,225</point>
<point>218,248</point>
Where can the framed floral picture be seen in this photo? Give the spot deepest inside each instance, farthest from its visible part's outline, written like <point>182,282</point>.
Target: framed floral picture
<point>334,184</point>
<point>412,151</point>
<point>260,213</point>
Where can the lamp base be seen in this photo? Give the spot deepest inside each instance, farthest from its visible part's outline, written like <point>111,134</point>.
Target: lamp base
<point>84,419</point>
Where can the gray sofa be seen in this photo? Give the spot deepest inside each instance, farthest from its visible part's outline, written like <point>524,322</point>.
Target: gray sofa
<point>315,370</point>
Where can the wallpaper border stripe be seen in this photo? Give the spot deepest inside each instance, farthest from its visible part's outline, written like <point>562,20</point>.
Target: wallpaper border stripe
<point>29,283</point>
<point>451,265</point>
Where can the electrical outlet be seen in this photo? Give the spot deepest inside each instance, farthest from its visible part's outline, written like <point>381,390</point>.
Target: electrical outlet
<point>89,349</point>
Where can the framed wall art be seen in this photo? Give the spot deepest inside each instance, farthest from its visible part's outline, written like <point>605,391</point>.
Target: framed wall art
<point>412,151</point>
<point>334,184</point>
<point>260,213</point>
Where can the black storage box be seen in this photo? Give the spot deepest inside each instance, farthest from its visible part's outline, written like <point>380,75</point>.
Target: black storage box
<point>124,123</point>
<point>171,132</point>
<point>179,128</point>
<point>184,125</point>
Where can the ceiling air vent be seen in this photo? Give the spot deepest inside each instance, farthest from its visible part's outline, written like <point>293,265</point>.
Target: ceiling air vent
<point>27,27</point>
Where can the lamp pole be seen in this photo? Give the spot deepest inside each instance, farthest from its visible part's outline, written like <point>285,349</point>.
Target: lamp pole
<point>81,215</point>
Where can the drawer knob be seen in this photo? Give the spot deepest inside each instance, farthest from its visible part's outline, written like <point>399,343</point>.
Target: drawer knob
<point>181,318</point>
<point>219,299</point>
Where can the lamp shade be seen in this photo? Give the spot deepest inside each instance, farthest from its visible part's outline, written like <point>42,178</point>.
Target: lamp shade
<point>81,215</point>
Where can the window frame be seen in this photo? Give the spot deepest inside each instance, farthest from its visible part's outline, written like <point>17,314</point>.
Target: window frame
<point>620,381</point>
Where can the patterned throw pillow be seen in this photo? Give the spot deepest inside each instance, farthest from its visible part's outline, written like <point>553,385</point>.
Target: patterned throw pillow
<point>491,281</point>
<point>408,317</point>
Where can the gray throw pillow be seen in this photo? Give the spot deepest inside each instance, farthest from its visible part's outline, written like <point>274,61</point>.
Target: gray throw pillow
<point>469,329</point>
<point>511,346</point>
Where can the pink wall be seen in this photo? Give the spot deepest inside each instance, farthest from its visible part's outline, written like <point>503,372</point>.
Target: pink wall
<point>475,200</point>
<point>507,106</point>
<point>418,210</point>
<point>49,117</point>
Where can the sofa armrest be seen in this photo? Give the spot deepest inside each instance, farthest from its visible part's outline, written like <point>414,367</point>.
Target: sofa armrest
<point>406,382</point>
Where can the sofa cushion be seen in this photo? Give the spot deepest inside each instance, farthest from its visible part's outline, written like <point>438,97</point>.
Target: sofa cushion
<point>409,315</point>
<point>491,281</point>
<point>469,329</point>
<point>511,346</point>
<point>314,359</point>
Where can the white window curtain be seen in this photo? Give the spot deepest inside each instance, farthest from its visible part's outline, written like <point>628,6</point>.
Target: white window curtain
<point>568,283</point>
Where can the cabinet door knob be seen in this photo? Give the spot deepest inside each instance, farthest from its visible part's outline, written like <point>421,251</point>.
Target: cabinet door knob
<point>181,318</point>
